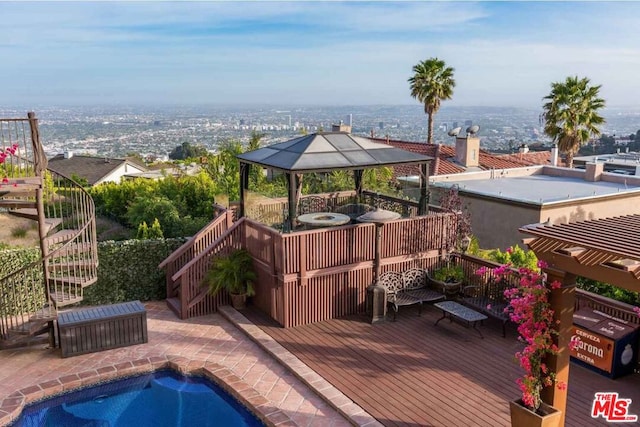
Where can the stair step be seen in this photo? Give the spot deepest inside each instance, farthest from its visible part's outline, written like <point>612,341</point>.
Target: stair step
<point>19,190</point>
<point>31,327</point>
<point>74,249</point>
<point>72,280</point>
<point>44,314</point>
<point>174,305</point>
<point>62,299</point>
<point>51,224</point>
<point>25,213</point>
<point>26,180</point>
<point>61,236</point>
<point>17,204</point>
<point>78,265</point>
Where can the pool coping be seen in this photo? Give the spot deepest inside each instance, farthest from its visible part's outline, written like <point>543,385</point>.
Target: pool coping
<point>352,412</point>
<point>11,406</point>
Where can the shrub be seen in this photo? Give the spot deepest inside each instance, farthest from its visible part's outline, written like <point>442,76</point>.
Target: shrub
<point>19,232</point>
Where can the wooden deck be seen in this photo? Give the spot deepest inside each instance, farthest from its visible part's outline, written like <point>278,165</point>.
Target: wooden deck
<point>412,373</point>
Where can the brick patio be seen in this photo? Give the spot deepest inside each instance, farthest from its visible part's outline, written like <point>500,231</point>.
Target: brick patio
<point>208,344</point>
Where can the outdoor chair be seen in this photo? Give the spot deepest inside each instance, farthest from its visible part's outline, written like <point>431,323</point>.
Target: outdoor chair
<point>312,204</point>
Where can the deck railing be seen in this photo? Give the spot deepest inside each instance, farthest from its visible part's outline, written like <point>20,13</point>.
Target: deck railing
<point>195,246</point>
<point>312,275</point>
<point>193,297</point>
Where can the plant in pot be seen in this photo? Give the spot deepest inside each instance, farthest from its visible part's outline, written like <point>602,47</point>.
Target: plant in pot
<point>233,273</point>
<point>529,308</point>
<point>449,277</point>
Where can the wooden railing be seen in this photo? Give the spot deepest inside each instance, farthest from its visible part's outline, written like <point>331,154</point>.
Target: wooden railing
<point>193,247</point>
<point>193,296</point>
<point>583,299</point>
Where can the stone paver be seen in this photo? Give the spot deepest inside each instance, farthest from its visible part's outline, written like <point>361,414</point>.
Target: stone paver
<point>208,345</point>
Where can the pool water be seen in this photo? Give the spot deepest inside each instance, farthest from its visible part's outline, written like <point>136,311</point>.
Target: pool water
<point>162,398</point>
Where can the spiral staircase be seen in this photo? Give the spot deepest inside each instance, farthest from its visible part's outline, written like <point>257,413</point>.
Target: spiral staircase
<point>32,293</point>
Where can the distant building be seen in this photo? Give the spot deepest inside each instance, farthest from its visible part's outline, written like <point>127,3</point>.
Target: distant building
<point>623,163</point>
<point>503,200</point>
<point>381,125</point>
<point>95,170</point>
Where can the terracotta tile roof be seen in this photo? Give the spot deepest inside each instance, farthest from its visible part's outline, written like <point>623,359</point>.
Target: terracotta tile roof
<point>532,158</point>
<point>445,163</point>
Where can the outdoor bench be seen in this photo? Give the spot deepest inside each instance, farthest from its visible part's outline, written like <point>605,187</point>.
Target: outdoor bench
<point>408,288</point>
<point>102,328</point>
<point>488,299</point>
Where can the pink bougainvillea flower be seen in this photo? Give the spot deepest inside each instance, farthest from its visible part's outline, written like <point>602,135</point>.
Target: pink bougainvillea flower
<point>529,308</point>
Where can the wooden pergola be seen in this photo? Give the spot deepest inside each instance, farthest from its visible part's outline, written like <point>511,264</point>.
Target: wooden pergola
<point>607,250</point>
<point>327,152</point>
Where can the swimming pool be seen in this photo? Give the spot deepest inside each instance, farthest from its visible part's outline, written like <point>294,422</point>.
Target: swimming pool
<point>162,398</point>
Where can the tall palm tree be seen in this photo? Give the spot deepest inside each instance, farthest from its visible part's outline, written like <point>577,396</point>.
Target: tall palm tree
<point>432,83</point>
<point>571,114</point>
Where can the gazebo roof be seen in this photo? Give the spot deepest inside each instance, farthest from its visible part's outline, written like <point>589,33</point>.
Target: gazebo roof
<point>326,151</point>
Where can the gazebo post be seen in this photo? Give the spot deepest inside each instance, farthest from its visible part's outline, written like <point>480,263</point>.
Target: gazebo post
<point>562,302</point>
<point>292,198</point>
<point>357,177</point>
<point>244,184</point>
<point>424,192</point>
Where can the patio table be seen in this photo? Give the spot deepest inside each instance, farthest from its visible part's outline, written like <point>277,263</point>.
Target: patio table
<point>460,313</point>
<point>324,219</point>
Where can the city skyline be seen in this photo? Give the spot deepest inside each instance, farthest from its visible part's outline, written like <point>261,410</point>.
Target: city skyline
<point>323,53</point>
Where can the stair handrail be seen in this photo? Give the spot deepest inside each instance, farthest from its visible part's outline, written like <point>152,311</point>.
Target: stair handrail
<point>88,227</point>
<point>223,215</point>
<point>208,249</point>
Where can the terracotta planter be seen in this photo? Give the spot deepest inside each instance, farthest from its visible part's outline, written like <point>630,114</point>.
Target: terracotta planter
<point>546,416</point>
<point>238,301</point>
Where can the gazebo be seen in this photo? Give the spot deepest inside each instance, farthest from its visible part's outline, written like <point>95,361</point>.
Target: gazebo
<point>605,249</point>
<point>326,152</point>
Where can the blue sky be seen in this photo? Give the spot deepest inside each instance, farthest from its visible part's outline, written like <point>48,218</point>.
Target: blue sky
<point>331,53</point>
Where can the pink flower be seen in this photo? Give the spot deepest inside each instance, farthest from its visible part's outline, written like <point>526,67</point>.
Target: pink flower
<point>637,310</point>
<point>5,180</point>
<point>488,306</point>
<point>529,308</point>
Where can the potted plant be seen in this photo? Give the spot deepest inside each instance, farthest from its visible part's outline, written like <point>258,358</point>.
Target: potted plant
<point>233,273</point>
<point>528,307</point>
<point>449,277</point>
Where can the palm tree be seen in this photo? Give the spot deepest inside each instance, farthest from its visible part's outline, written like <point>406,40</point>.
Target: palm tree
<point>432,83</point>
<point>571,114</point>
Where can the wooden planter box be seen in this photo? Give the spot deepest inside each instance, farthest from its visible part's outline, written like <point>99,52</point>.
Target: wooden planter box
<point>102,328</point>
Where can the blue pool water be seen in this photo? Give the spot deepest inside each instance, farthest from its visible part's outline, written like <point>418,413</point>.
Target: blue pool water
<point>159,399</point>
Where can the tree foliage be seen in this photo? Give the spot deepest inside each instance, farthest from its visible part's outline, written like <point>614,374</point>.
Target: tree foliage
<point>571,114</point>
<point>432,82</point>
<point>187,151</point>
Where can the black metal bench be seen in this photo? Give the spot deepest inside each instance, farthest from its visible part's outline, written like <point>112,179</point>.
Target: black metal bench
<point>408,288</point>
<point>102,328</point>
<point>488,299</point>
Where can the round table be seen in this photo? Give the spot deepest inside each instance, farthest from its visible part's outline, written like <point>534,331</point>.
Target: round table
<point>324,219</point>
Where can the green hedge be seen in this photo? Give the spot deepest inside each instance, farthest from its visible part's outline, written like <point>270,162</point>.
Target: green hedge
<point>129,271</point>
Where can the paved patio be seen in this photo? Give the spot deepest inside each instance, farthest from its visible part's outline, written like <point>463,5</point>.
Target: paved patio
<point>209,341</point>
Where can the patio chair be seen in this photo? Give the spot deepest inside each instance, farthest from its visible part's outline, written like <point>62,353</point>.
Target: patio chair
<point>312,204</point>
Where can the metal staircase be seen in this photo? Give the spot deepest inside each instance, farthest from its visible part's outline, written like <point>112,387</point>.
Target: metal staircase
<point>31,295</point>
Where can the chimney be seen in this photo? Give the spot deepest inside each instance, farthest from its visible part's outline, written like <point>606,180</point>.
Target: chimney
<point>524,149</point>
<point>341,128</point>
<point>68,154</point>
<point>593,171</point>
<point>468,150</point>
<point>554,155</point>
